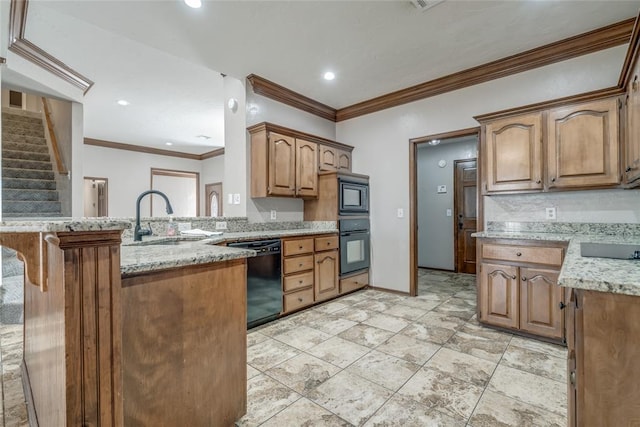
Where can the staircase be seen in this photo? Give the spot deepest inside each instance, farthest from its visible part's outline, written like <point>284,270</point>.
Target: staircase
<point>28,180</point>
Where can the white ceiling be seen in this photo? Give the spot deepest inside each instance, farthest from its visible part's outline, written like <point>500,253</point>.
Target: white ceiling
<point>161,55</point>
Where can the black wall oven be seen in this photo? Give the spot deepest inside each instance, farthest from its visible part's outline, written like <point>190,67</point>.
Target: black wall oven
<point>353,194</point>
<point>354,245</point>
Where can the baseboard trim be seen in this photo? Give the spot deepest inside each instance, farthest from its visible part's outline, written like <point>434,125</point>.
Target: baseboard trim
<point>28,395</point>
<point>391,291</point>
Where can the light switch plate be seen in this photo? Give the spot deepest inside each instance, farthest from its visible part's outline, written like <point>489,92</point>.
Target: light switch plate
<point>236,199</point>
<point>230,199</point>
<point>442,189</point>
<point>448,212</point>
<point>221,225</point>
<point>400,213</point>
<point>274,214</point>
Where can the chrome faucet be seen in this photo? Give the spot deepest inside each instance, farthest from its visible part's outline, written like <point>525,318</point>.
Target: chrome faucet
<point>138,231</point>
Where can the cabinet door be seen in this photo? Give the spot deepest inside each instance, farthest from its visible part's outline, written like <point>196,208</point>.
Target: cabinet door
<point>583,145</point>
<point>282,165</point>
<point>306,168</point>
<point>514,154</point>
<point>632,155</point>
<point>328,158</point>
<point>540,298</point>
<point>326,275</point>
<point>499,295</point>
<point>344,161</point>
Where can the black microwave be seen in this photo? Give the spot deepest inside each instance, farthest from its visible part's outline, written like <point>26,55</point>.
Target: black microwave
<point>353,194</point>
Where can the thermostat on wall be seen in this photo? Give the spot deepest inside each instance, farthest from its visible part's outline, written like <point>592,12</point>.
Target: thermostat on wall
<point>442,189</point>
<point>442,163</point>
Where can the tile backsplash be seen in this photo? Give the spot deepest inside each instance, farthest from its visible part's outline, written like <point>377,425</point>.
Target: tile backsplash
<point>592,206</point>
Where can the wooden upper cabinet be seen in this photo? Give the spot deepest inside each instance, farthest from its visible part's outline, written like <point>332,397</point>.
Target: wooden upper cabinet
<point>344,160</point>
<point>306,170</point>
<point>583,145</point>
<point>632,153</point>
<point>513,153</point>
<point>327,158</point>
<point>282,170</point>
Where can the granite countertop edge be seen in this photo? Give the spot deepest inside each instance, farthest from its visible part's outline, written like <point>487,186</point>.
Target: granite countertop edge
<point>588,273</point>
<point>26,225</point>
<point>149,255</point>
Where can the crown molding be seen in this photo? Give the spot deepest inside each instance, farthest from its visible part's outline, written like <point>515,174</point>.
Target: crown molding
<point>582,44</point>
<point>150,150</point>
<point>574,99</point>
<point>19,45</point>
<point>632,54</point>
<point>274,91</point>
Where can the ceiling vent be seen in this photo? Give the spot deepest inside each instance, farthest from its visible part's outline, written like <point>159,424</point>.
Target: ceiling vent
<point>423,5</point>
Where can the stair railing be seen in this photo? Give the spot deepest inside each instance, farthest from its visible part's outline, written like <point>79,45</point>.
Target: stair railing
<point>62,170</point>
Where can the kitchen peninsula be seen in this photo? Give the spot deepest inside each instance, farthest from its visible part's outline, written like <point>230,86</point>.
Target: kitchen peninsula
<point>156,345</point>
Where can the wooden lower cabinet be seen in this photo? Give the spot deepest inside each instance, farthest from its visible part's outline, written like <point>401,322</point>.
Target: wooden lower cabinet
<point>326,275</point>
<point>354,282</point>
<point>499,295</point>
<point>603,360</point>
<point>517,287</point>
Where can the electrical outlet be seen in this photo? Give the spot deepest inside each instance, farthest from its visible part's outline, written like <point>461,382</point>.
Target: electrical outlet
<point>273,214</point>
<point>236,199</point>
<point>400,213</point>
<point>221,225</point>
<point>550,213</point>
<point>184,226</point>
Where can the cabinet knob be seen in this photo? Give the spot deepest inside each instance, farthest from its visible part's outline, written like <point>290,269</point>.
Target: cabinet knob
<point>628,169</point>
<point>518,253</point>
<point>514,277</point>
<point>299,247</point>
<point>538,182</point>
<point>634,85</point>
<point>300,281</point>
<point>553,180</point>
<point>299,299</point>
<point>328,243</point>
<point>524,279</point>
<point>562,305</point>
<point>572,378</point>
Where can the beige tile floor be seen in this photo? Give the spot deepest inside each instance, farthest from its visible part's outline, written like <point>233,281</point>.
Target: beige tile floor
<point>378,359</point>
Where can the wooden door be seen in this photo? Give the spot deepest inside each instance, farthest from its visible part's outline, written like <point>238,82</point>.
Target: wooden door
<point>306,168</point>
<point>344,160</point>
<point>498,295</point>
<point>214,200</point>
<point>326,284</point>
<point>540,298</point>
<point>514,154</point>
<point>282,165</point>
<point>465,195</point>
<point>583,145</point>
<point>632,145</point>
<point>328,158</point>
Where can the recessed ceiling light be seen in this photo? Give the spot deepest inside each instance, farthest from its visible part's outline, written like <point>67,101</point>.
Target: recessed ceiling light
<point>203,136</point>
<point>196,4</point>
<point>123,102</point>
<point>168,143</point>
<point>329,75</point>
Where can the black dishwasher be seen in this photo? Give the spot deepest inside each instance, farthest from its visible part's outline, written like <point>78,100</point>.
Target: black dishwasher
<point>264,281</point>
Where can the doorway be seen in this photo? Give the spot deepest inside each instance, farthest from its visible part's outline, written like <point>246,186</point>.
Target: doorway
<point>213,194</point>
<point>434,217</point>
<point>95,197</point>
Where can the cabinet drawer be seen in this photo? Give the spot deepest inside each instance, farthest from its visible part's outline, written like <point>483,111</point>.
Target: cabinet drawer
<point>296,264</point>
<point>354,282</point>
<point>297,247</point>
<point>326,243</point>
<point>529,254</point>
<point>298,281</point>
<point>296,300</point>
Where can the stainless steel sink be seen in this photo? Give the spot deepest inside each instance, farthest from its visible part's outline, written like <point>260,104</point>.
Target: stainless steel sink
<point>610,250</point>
<point>162,243</point>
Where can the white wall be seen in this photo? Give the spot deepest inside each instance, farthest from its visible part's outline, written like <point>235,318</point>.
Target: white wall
<point>385,135</point>
<point>236,179</point>
<point>61,116</point>
<point>261,109</point>
<point>129,174</point>
<point>435,228</point>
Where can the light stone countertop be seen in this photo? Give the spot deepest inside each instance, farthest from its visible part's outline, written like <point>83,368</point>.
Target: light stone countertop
<point>139,257</point>
<point>25,225</point>
<point>590,273</point>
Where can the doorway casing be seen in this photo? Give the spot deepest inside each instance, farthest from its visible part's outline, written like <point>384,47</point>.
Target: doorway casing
<point>413,197</point>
